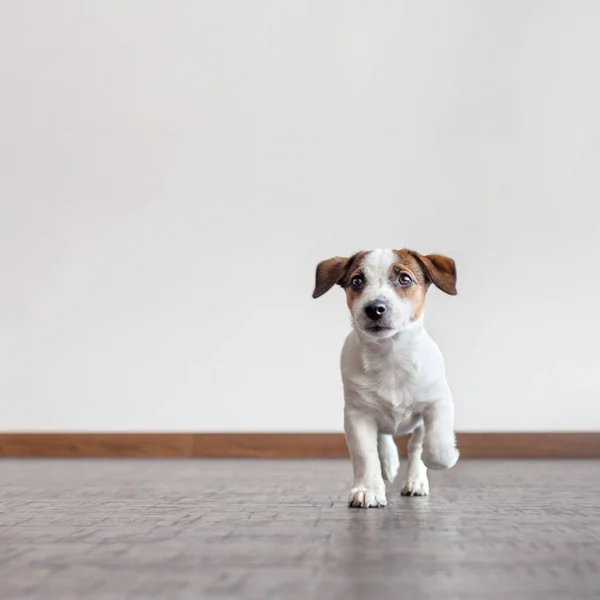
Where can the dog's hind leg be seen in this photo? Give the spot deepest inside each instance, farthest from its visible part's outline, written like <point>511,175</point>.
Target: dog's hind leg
<point>416,482</point>
<point>388,456</point>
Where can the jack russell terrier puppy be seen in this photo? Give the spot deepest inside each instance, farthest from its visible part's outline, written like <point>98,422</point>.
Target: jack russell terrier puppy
<point>393,372</point>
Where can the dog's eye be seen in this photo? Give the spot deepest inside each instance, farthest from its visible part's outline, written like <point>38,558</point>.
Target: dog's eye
<point>357,282</point>
<point>404,279</point>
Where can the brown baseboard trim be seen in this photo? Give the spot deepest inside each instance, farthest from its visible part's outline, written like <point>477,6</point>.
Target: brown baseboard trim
<point>277,445</point>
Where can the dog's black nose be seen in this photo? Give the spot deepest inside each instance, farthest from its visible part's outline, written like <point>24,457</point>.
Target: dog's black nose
<point>376,309</point>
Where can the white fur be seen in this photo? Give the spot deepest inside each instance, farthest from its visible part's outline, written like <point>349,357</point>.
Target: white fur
<point>394,383</point>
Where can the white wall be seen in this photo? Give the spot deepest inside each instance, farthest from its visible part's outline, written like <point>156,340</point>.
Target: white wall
<point>171,173</point>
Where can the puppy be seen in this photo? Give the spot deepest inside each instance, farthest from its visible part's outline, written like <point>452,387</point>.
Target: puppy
<point>393,372</point>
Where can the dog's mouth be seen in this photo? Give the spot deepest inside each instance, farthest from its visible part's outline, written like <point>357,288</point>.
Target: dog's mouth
<point>378,328</point>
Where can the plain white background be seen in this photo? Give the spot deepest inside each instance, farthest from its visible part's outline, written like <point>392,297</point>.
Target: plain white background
<point>171,173</point>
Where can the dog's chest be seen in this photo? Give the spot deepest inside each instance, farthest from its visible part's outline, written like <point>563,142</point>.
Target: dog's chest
<point>389,390</point>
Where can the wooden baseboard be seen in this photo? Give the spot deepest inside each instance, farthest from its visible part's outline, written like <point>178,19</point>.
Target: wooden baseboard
<point>277,445</point>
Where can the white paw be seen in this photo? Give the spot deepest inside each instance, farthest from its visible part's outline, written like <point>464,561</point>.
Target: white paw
<point>415,486</point>
<point>361,497</point>
<point>389,467</point>
<point>441,458</point>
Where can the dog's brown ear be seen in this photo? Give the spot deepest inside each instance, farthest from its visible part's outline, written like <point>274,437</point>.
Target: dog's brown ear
<point>329,272</point>
<point>440,270</point>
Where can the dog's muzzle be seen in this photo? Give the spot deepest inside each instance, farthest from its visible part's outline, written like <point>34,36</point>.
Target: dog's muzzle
<point>376,310</point>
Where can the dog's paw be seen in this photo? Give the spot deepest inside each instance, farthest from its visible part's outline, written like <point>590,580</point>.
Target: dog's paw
<point>415,485</point>
<point>440,458</point>
<point>390,463</point>
<point>361,497</point>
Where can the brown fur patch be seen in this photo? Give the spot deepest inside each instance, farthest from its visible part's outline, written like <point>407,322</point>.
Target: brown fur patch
<point>328,274</point>
<point>338,270</point>
<point>440,270</point>
<point>407,263</point>
<point>353,268</point>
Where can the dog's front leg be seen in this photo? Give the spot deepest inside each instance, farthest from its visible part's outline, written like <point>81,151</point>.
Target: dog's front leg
<point>361,437</point>
<point>439,445</point>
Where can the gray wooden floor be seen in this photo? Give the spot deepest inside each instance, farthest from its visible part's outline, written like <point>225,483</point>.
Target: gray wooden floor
<point>281,529</point>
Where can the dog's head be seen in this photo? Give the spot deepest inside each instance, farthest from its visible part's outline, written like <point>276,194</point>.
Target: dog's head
<point>385,289</point>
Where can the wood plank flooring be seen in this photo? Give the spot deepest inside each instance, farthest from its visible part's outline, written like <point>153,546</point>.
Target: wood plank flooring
<point>260,529</point>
